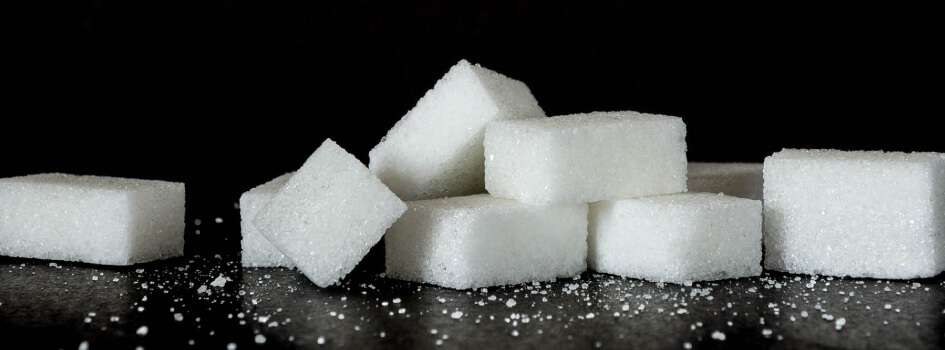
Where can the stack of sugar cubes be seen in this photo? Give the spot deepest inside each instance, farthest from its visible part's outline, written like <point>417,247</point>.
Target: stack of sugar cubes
<point>497,193</point>
<point>476,187</point>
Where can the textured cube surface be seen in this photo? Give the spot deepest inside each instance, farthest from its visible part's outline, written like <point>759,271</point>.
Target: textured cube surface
<point>585,157</point>
<point>329,214</point>
<point>435,150</point>
<point>93,219</point>
<point>480,241</point>
<point>743,180</point>
<point>257,251</point>
<point>849,213</point>
<point>677,238</point>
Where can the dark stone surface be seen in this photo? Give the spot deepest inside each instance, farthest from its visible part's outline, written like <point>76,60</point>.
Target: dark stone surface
<point>51,307</point>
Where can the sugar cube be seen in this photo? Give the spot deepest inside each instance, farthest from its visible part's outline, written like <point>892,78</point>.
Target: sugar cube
<point>329,214</point>
<point>855,213</point>
<point>678,238</point>
<point>585,157</point>
<point>734,179</point>
<point>480,241</point>
<point>435,150</point>
<point>93,219</point>
<point>257,251</point>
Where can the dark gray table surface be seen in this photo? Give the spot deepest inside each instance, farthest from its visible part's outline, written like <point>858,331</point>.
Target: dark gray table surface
<point>61,305</point>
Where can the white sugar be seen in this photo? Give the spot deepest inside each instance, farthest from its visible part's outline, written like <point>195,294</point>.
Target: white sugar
<point>678,238</point>
<point>257,251</point>
<point>93,219</point>
<point>219,281</point>
<point>840,322</point>
<point>329,214</point>
<point>435,150</point>
<point>743,180</point>
<point>479,241</point>
<point>860,214</point>
<point>585,157</point>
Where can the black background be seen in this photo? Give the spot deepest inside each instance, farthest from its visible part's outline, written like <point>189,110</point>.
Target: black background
<point>225,95</point>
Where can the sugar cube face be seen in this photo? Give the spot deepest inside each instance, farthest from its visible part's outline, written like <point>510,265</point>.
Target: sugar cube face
<point>679,238</point>
<point>585,157</point>
<point>92,219</point>
<point>855,213</point>
<point>435,150</point>
<point>329,214</point>
<point>480,241</point>
<point>257,251</point>
<point>743,180</point>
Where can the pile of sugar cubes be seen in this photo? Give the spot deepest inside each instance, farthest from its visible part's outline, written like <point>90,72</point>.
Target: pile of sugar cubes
<point>475,187</point>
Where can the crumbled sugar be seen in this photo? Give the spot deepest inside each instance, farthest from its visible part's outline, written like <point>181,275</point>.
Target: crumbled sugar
<point>855,213</point>
<point>840,322</point>
<point>457,314</point>
<point>257,251</point>
<point>260,339</point>
<point>678,238</point>
<point>220,281</point>
<point>93,219</point>
<point>744,180</point>
<point>435,150</point>
<point>510,302</point>
<point>477,241</point>
<point>142,331</point>
<point>329,214</point>
<point>585,157</point>
<point>718,335</point>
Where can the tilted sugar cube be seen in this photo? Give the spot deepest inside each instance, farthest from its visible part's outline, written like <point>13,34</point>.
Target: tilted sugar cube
<point>257,251</point>
<point>585,157</point>
<point>329,214</point>
<point>481,241</point>
<point>435,150</point>
<point>678,238</point>
<point>93,219</point>
<point>855,213</point>
<point>743,180</point>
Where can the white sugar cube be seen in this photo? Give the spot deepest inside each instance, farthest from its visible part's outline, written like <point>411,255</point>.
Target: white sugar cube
<point>480,241</point>
<point>585,157</point>
<point>435,150</point>
<point>855,213</point>
<point>329,214</point>
<point>679,238</point>
<point>93,219</point>
<point>257,251</point>
<point>743,180</point>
